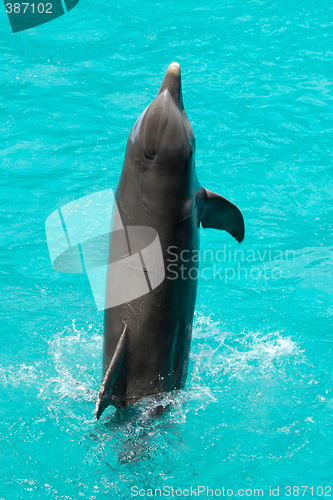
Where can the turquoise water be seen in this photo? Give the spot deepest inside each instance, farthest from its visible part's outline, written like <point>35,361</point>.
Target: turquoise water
<point>256,411</point>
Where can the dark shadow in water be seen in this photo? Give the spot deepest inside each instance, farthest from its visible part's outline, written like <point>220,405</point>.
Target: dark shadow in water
<point>141,431</point>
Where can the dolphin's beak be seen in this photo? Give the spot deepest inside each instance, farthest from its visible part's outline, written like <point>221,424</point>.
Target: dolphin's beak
<point>172,83</point>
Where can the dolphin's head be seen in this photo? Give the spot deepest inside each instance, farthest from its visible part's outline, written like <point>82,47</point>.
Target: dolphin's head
<point>162,138</point>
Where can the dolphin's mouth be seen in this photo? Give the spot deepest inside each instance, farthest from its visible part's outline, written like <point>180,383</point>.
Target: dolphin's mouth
<point>172,83</point>
<point>174,67</point>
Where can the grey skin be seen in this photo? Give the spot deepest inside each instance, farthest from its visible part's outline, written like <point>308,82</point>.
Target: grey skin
<point>147,340</point>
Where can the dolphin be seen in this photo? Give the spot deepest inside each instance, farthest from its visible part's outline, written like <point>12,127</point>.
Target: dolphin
<point>147,338</point>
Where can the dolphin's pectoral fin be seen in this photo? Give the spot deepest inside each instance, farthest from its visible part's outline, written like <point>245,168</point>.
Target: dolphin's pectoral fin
<point>219,213</point>
<point>111,375</point>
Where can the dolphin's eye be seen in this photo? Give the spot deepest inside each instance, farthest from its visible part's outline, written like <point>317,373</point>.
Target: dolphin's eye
<point>149,157</point>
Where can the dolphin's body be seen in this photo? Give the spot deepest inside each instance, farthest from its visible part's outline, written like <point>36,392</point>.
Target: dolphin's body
<point>147,340</point>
